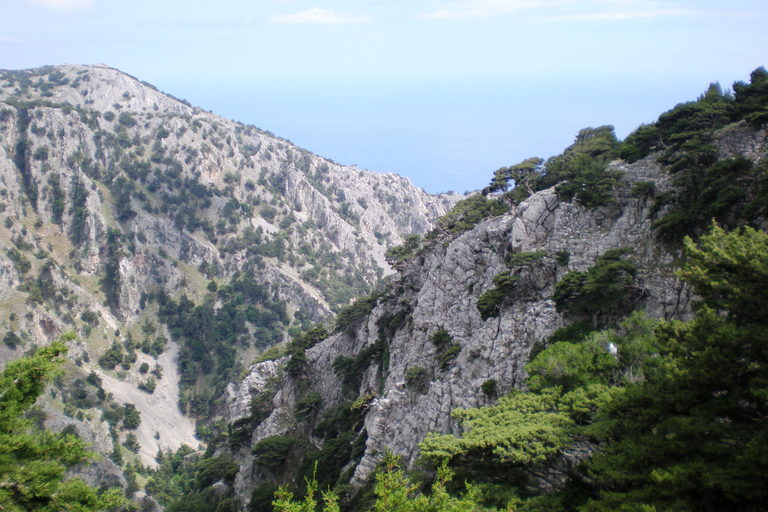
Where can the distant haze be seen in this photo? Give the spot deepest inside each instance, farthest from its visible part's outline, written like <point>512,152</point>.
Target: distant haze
<point>443,135</point>
<point>441,91</point>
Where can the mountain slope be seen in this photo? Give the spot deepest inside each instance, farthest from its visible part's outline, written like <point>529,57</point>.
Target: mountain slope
<point>117,198</point>
<point>455,327</point>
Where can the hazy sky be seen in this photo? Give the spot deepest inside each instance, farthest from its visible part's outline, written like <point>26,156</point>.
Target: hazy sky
<point>441,91</point>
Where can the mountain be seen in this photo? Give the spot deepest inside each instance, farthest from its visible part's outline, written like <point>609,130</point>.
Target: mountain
<point>559,251</point>
<point>539,336</point>
<point>119,200</point>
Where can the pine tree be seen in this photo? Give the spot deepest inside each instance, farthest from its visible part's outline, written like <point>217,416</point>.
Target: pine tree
<point>33,462</point>
<point>694,434</point>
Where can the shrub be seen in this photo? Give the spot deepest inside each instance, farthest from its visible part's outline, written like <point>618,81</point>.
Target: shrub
<point>148,386</point>
<point>452,351</point>
<point>112,357</point>
<point>126,119</point>
<point>609,287</point>
<point>273,451</point>
<point>643,189</point>
<point>12,340</point>
<point>401,252</point>
<point>489,388</point>
<point>41,153</point>
<point>132,443</point>
<point>131,417</point>
<point>416,379</point>
<point>591,182</point>
<point>21,262</point>
<point>440,338</point>
<point>525,258</point>
<point>297,365</point>
<point>262,497</point>
<point>468,212</point>
<point>90,317</point>
<point>349,318</point>
<point>214,469</point>
<point>350,369</point>
<point>308,406</point>
<point>489,303</point>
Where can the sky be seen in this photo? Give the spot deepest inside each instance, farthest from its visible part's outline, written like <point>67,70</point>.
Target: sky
<point>441,91</point>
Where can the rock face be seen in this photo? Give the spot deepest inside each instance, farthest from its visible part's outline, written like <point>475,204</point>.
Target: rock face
<point>436,292</point>
<point>113,192</point>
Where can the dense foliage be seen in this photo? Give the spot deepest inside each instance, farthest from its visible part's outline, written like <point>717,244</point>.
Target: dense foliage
<point>580,172</point>
<point>707,188</point>
<point>209,335</point>
<point>730,190</point>
<point>394,490</point>
<point>670,417</point>
<point>183,481</point>
<point>609,289</point>
<point>33,461</point>
<point>509,285</point>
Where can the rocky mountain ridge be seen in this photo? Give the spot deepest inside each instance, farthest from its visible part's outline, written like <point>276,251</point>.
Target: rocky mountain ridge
<point>202,261</point>
<point>114,193</point>
<point>422,348</point>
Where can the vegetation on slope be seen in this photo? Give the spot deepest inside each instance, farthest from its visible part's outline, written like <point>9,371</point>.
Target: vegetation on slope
<point>587,389</point>
<point>670,416</point>
<point>536,450</point>
<point>729,190</point>
<point>33,461</point>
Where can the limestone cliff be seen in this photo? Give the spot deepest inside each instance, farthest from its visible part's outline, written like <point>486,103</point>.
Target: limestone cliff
<point>114,193</point>
<point>412,382</point>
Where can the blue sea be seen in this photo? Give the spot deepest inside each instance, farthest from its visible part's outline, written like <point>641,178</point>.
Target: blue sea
<point>442,134</point>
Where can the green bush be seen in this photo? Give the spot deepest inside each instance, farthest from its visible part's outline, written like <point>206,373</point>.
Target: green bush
<point>452,351</point>
<point>41,153</point>
<point>524,258</point>
<point>21,262</point>
<point>148,386</point>
<point>349,318</point>
<point>12,340</point>
<point>308,406</point>
<point>404,251</point>
<point>489,388</point>
<point>126,119</point>
<point>416,379</point>
<point>716,192</point>
<point>214,469</point>
<point>350,370</point>
<point>262,497</point>
<point>112,357</point>
<point>273,451</point>
<point>132,443</point>
<point>441,338</point>
<point>489,303</point>
<point>608,288</point>
<point>468,212</point>
<point>643,189</point>
<point>131,417</point>
<point>592,183</point>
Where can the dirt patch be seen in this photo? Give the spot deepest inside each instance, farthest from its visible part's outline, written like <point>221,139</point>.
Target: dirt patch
<point>159,411</point>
